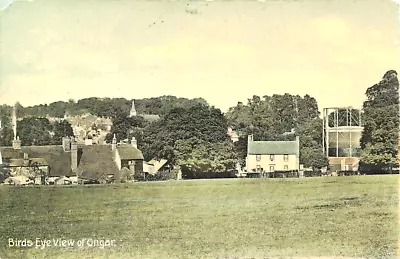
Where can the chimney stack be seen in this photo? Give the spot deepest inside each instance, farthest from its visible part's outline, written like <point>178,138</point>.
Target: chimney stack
<point>134,142</point>
<point>16,143</point>
<point>1,159</point>
<point>66,144</point>
<point>26,156</point>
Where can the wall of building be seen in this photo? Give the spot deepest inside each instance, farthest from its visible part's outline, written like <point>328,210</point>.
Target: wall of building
<point>278,163</point>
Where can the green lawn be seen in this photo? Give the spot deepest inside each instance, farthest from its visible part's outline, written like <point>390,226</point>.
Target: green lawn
<point>233,218</point>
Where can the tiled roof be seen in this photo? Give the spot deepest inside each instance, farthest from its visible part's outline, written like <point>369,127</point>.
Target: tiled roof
<point>55,156</point>
<point>95,161</point>
<point>273,147</point>
<point>127,152</point>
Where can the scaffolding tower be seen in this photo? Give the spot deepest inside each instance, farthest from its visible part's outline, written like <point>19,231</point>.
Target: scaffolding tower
<point>342,129</point>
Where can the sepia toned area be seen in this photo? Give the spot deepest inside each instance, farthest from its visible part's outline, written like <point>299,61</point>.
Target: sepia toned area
<point>199,129</point>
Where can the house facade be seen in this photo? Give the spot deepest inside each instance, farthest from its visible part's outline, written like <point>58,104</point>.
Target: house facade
<point>271,156</point>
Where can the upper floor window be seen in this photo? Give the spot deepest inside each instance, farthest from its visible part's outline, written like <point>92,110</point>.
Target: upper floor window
<point>272,157</point>
<point>286,157</point>
<point>258,157</point>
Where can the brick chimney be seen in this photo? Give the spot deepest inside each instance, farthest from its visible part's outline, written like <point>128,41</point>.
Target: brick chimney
<point>26,157</point>
<point>74,155</point>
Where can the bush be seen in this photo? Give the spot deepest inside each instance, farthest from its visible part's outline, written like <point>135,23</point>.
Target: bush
<point>208,175</point>
<point>283,174</point>
<point>347,173</point>
<point>312,173</point>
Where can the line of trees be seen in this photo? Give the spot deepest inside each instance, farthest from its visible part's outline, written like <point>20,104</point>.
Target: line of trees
<point>104,107</point>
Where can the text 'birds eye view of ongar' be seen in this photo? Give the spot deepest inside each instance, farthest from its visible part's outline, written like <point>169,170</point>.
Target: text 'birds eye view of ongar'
<point>103,140</point>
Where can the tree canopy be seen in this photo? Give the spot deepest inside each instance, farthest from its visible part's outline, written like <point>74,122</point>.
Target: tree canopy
<point>194,138</point>
<point>379,140</point>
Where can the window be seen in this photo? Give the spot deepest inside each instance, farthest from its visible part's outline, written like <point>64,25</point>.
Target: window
<point>285,167</point>
<point>258,168</point>
<point>271,157</point>
<point>285,157</point>
<point>258,157</point>
<point>271,168</point>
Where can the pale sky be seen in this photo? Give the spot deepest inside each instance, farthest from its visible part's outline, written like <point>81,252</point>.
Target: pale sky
<point>225,52</point>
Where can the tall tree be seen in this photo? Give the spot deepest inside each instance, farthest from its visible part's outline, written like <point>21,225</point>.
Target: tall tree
<point>35,131</point>
<point>61,129</point>
<point>379,140</point>
<point>124,127</point>
<point>194,138</point>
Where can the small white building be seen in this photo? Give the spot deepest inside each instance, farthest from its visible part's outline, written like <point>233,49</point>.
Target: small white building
<point>270,156</point>
<point>233,135</point>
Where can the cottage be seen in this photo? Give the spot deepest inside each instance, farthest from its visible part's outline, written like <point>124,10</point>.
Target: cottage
<point>271,156</point>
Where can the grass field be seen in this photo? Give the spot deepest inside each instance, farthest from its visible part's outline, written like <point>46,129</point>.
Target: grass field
<point>235,218</point>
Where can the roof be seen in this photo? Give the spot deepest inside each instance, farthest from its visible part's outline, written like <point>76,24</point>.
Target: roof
<point>95,161</point>
<point>153,166</point>
<point>26,162</point>
<point>273,147</point>
<point>128,152</point>
<point>55,156</point>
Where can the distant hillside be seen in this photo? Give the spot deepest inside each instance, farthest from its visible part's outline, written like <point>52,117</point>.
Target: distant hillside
<point>103,107</point>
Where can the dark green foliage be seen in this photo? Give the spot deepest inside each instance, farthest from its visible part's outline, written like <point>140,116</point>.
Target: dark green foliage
<point>6,132</point>
<point>34,131</point>
<point>61,129</point>
<point>40,131</point>
<point>193,138</point>
<point>379,141</point>
<point>125,127</point>
<point>311,153</point>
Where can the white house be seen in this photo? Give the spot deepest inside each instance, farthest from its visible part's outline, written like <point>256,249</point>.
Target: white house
<point>270,156</point>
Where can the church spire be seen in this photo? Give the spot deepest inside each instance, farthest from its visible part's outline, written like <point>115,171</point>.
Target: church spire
<point>133,109</point>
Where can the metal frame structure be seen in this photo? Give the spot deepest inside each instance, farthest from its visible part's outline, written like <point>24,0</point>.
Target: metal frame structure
<point>341,123</point>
